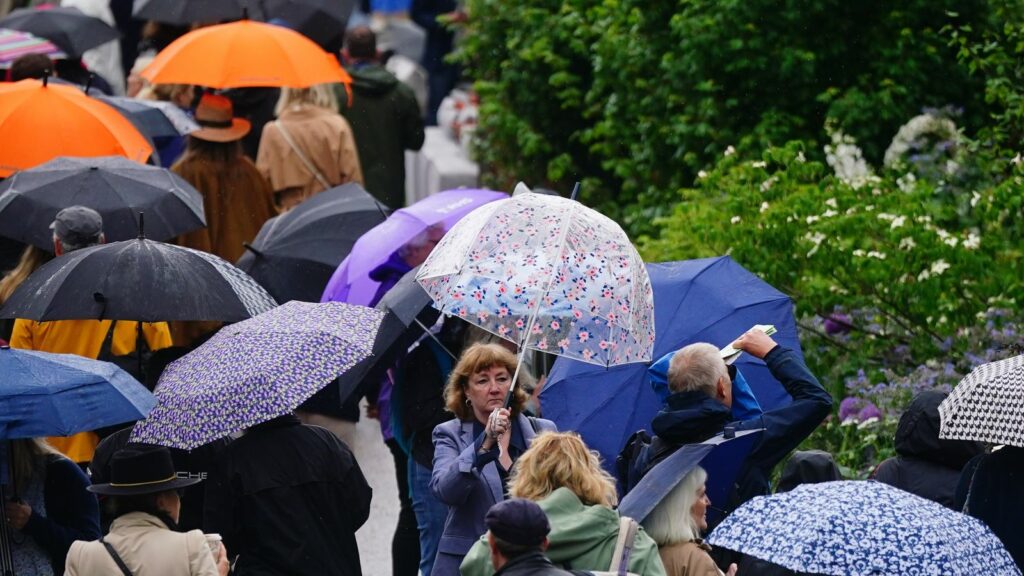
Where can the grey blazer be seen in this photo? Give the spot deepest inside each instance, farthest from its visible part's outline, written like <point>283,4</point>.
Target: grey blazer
<point>469,493</point>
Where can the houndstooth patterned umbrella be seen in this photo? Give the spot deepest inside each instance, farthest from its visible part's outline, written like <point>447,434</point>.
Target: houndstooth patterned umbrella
<point>987,405</point>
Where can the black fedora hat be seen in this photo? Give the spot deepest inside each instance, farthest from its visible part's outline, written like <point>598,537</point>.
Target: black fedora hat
<point>137,470</point>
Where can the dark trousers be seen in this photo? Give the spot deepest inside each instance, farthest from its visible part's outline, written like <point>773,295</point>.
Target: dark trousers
<point>440,82</point>
<point>405,545</point>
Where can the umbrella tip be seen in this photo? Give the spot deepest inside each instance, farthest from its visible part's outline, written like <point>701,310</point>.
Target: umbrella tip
<point>575,191</point>
<point>46,77</point>
<point>142,226</point>
<point>88,82</point>
<point>249,247</point>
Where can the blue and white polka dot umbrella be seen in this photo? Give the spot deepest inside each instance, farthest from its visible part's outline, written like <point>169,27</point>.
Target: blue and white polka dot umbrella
<point>859,528</point>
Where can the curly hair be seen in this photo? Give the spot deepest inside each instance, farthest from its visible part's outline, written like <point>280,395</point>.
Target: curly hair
<point>477,358</point>
<point>561,459</point>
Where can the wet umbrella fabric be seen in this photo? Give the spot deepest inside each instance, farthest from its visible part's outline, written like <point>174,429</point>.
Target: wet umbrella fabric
<point>245,54</point>
<point>182,12</point>
<point>70,29</point>
<point>862,528</point>
<point>549,274</point>
<point>14,44</point>
<point>47,120</point>
<point>721,457</point>
<point>351,282</point>
<point>987,405</point>
<point>44,394</point>
<point>118,188</point>
<point>295,254</point>
<point>321,20</point>
<point>142,280</point>
<point>153,118</point>
<point>705,300</point>
<point>256,370</point>
<point>408,314</point>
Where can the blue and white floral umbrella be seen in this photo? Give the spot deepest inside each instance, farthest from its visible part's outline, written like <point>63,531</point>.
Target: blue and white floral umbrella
<point>858,528</point>
<point>256,370</point>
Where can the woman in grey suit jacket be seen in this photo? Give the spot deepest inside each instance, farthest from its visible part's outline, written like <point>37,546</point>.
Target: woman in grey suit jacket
<point>474,452</point>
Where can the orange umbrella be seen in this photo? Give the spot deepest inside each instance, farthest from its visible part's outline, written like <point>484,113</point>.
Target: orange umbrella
<point>243,54</point>
<point>40,121</point>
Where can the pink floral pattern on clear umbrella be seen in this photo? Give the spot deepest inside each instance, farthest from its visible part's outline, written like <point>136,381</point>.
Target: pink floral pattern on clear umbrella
<point>547,273</point>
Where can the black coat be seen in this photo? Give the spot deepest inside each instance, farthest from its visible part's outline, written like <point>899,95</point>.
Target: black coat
<point>288,499</point>
<point>418,398</point>
<point>925,465</point>
<point>531,564</point>
<point>992,489</point>
<point>440,39</point>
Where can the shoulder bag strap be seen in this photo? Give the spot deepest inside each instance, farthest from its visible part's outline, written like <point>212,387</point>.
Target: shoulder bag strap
<point>117,558</point>
<point>623,546</point>
<point>302,156</point>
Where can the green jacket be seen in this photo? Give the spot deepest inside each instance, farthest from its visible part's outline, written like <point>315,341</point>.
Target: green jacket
<point>581,538</point>
<point>386,121</point>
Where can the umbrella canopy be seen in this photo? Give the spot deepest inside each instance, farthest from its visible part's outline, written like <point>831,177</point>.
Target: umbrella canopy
<point>52,120</point>
<point>987,405</point>
<point>153,118</point>
<point>245,54</point>
<point>721,457</point>
<point>351,282</point>
<point>70,29</point>
<point>140,280</point>
<point>256,370</point>
<point>43,394</point>
<point>15,44</point>
<point>403,306</point>
<point>547,273</point>
<point>183,12</point>
<point>862,528</point>
<point>321,20</point>
<point>706,300</point>
<point>295,253</point>
<point>118,188</point>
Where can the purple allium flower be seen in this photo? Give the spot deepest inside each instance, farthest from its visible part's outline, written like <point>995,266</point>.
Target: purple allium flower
<point>849,407</point>
<point>869,411</point>
<point>837,323</point>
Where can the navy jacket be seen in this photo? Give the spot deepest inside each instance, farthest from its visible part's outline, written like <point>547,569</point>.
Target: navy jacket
<point>693,417</point>
<point>439,38</point>
<point>72,512</point>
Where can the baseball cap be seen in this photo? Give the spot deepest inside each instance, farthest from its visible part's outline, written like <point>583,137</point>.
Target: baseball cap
<point>518,521</point>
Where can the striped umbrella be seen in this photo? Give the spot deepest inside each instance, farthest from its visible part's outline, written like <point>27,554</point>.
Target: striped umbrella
<point>15,44</point>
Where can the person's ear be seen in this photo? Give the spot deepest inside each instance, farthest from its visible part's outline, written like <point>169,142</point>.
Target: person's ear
<point>720,387</point>
<point>103,238</point>
<point>544,545</point>
<point>57,248</point>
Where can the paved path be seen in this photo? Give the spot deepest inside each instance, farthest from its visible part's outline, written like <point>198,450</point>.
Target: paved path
<point>374,537</point>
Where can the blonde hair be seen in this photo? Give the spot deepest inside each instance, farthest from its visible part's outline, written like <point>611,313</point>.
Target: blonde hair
<point>31,259</point>
<point>561,460</point>
<point>671,521</point>
<point>321,95</point>
<point>26,454</point>
<point>477,358</point>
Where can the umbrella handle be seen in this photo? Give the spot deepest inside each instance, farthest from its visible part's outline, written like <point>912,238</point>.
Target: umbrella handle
<point>575,191</point>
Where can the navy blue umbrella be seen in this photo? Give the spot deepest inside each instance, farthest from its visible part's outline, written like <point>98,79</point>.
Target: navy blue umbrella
<point>720,457</point>
<point>44,394</point>
<point>707,300</point>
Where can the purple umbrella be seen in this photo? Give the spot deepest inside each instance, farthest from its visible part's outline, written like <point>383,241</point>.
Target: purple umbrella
<point>351,281</point>
<point>256,370</point>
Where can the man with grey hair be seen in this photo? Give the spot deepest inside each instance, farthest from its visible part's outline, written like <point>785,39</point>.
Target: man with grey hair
<point>75,228</point>
<point>700,407</point>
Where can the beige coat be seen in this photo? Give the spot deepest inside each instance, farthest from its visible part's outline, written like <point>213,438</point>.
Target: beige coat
<point>325,139</point>
<point>688,559</point>
<point>147,547</point>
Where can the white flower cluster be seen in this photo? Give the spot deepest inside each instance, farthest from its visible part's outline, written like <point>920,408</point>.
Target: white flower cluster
<point>914,135</point>
<point>847,160</point>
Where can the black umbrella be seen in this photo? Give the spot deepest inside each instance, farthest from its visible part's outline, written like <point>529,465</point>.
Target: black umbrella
<point>295,253</point>
<point>153,118</point>
<point>141,280</point>
<point>188,11</point>
<point>410,312</point>
<point>116,187</point>
<point>69,28</point>
<point>323,21</point>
